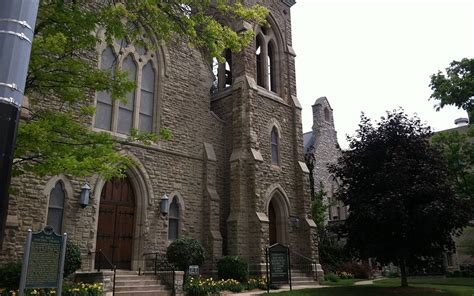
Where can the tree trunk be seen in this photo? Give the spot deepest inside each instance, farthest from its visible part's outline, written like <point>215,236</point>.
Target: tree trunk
<point>403,273</point>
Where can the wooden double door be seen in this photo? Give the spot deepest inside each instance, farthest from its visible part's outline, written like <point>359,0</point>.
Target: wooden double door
<point>116,224</point>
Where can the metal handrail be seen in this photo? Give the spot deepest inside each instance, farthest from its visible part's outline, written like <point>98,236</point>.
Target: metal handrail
<point>165,268</point>
<point>113,267</point>
<point>302,256</point>
<point>303,263</point>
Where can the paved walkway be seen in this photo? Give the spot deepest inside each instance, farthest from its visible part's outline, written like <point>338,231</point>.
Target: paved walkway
<point>283,288</point>
<point>369,282</point>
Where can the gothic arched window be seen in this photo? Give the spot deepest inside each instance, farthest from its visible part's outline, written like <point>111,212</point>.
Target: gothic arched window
<point>275,146</point>
<point>56,207</point>
<point>266,52</point>
<point>173,228</point>
<point>138,112</point>
<point>222,72</point>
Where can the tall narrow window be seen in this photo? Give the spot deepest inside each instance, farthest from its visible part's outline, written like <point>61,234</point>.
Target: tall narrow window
<point>260,61</point>
<point>103,118</point>
<point>215,72</point>
<point>327,116</point>
<point>275,148</point>
<point>56,207</point>
<point>147,98</point>
<point>271,67</point>
<point>173,231</point>
<point>125,119</point>
<point>228,68</point>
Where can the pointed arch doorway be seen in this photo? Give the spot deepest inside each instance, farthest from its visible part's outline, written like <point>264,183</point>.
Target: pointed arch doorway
<point>277,217</point>
<point>116,223</point>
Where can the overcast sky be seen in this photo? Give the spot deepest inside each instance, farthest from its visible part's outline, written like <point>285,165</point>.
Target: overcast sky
<point>378,55</point>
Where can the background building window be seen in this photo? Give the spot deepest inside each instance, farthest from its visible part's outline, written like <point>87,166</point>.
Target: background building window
<point>173,231</point>
<point>56,207</point>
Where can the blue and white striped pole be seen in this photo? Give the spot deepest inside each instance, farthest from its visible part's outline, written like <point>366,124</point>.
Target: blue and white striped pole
<point>17,23</point>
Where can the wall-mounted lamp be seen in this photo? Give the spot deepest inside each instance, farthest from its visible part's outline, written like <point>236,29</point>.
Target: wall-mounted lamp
<point>295,221</point>
<point>164,204</point>
<point>85,192</point>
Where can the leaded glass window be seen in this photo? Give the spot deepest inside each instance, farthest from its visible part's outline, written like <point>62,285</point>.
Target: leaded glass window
<point>173,231</point>
<point>56,207</point>
<point>275,146</point>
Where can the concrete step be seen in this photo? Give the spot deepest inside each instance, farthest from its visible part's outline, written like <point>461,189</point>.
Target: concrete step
<point>137,283</point>
<point>140,289</point>
<point>121,277</point>
<point>145,293</point>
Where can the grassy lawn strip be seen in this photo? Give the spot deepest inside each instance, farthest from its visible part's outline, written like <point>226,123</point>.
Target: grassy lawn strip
<point>419,286</point>
<point>345,282</point>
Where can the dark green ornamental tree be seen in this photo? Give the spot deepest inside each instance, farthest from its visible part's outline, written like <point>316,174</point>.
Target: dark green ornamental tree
<point>401,203</point>
<point>64,72</point>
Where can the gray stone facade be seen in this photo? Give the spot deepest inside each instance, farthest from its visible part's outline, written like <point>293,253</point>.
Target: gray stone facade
<point>218,164</point>
<point>321,145</point>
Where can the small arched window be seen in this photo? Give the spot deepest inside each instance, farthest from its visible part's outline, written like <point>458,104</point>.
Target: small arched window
<point>173,228</point>
<point>260,61</point>
<point>327,115</point>
<point>271,68</point>
<point>56,207</point>
<point>222,72</point>
<point>275,146</point>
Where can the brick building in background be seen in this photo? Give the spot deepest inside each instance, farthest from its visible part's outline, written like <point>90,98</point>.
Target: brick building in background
<point>234,169</point>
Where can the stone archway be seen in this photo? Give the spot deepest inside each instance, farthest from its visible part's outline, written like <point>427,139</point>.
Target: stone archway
<point>278,214</point>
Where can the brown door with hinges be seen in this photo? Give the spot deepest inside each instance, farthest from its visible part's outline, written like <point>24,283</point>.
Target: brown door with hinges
<point>116,220</point>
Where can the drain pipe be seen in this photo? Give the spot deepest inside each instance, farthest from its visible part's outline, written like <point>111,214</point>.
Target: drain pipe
<point>17,22</point>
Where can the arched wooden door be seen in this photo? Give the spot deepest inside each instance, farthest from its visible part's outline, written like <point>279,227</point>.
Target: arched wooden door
<point>116,220</point>
<point>272,224</point>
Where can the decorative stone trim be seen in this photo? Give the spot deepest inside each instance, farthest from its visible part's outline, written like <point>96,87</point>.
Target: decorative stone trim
<point>304,167</point>
<point>257,156</point>
<point>262,217</point>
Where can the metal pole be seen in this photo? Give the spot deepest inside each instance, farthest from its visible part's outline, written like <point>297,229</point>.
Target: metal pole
<point>24,267</point>
<point>17,23</point>
<point>59,289</point>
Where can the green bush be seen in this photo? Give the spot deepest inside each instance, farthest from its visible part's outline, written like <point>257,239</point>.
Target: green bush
<point>332,277</point>
<point>233,267</point>
<point>184,252</point>
<point>72,260</point>
<point>359,270</point>
<point>10,274</point>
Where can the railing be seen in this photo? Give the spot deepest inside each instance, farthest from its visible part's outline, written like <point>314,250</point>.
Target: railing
<point>160,266</point>
<point>301,263</point>
<point>99,261</point>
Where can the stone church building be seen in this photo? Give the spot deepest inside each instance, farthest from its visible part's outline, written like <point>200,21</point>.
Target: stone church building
<point>322,149</point>
<point>234,169</point>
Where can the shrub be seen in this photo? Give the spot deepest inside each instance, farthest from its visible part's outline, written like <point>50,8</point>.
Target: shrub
<point>332,277</point>
<point>10,274</point>
<point>359,270</point>
<point>72,260</point>
<point>343,275</point>
<point>233,267</point>
<point>184,252</point>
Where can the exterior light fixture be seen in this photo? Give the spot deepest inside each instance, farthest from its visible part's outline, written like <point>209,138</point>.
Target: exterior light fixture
<point>85,193</point>
<point>164,204</point>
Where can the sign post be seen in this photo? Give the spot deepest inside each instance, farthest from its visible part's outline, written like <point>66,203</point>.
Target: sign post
<point>43,261</point>
<point>278,266</point>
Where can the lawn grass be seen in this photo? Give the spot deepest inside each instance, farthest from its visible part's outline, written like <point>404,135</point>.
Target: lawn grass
<point>419,286</point>
<point>345,282</point>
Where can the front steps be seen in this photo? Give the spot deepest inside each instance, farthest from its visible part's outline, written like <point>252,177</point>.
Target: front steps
<point>299,278</point>
<point>129,283</point>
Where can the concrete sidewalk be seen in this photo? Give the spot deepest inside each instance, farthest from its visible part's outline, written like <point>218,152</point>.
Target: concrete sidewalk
<point>283,288</point>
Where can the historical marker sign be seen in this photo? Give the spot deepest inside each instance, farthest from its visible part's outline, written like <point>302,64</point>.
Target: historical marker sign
<point>43,261</point>
<point>278,261</point>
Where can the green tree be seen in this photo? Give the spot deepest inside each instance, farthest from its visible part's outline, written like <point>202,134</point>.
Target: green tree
<point>456,87</point>
<point>184,252</point>
<point>56,139</point>
<point>402,207</point>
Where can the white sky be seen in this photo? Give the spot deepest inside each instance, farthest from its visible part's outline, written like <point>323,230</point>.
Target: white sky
<point>378,55</point>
